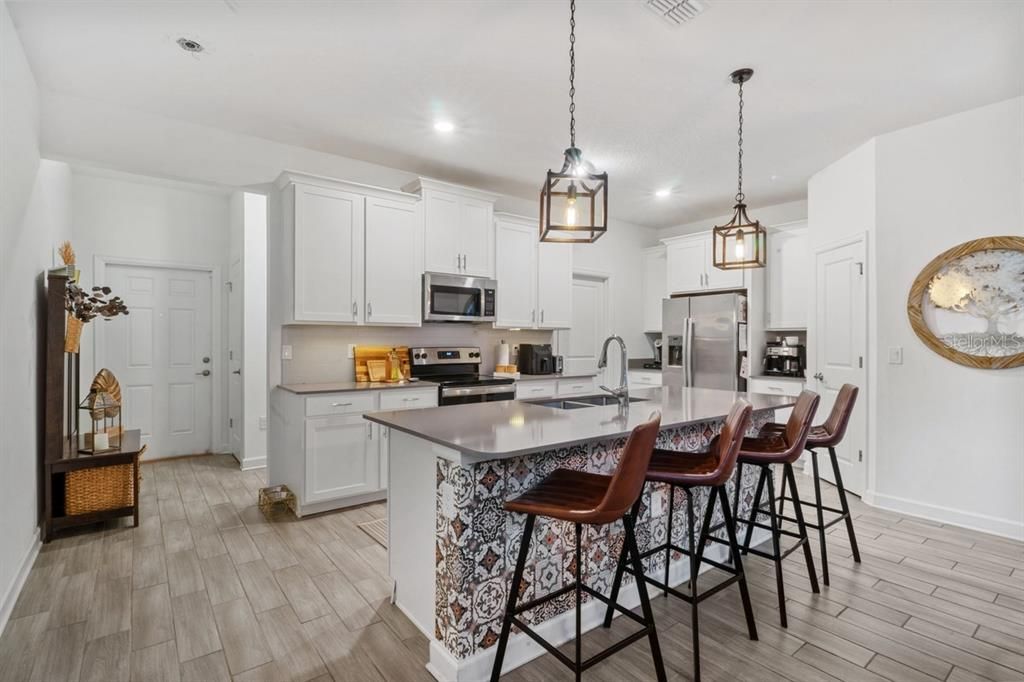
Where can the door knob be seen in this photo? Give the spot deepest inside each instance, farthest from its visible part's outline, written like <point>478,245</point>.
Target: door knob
<point>237,371</point>
<point>204,373</point>
<point>819,376</point>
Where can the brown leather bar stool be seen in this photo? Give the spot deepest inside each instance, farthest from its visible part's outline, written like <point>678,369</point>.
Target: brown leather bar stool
<point>711,469</point>
<point>783,447</point>
<point>827,435</point>
<point>591,499</point>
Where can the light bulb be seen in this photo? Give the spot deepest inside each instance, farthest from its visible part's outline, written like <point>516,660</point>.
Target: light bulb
<point>740,248</point>
<point>570,205</point>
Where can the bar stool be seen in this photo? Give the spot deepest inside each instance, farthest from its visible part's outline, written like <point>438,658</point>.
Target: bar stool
<point>711,469</point>
<point>783,447</point>
<point>591,499</point>
<point>827,435</point>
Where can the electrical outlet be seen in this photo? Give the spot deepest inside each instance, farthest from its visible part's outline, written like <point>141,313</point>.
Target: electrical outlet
<point>351,350</point>
<point>895,355</point>
<point>286,352</point>
<point>263,423</point>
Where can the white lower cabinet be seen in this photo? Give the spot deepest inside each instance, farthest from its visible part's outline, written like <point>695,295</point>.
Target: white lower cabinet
<point>342,457</point>
<point>323,449</point>
<point>639,378</point>
<point>575,386</point>
<point>788,387</point>
<point>527,390</point>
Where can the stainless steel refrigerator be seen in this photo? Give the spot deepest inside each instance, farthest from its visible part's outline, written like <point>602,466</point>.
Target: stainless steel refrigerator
<point>704,341</point>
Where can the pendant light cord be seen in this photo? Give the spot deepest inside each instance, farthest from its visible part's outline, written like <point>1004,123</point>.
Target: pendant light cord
<point>572,73</point>
<point>739,183</point>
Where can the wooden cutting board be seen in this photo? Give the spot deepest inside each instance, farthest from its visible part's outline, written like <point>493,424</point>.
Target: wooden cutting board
<point>364,353</point>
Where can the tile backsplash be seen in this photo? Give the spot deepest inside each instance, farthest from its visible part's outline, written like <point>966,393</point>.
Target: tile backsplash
<point>320,353</point>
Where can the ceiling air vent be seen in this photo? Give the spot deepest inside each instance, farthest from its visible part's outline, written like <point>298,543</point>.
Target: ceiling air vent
<point>676,11</point>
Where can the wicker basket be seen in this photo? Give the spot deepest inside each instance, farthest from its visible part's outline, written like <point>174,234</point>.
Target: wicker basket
<point>99,489</point>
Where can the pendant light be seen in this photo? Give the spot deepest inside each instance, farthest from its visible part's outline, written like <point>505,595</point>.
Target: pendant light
<point>740,243</point>
<point>573,201</point>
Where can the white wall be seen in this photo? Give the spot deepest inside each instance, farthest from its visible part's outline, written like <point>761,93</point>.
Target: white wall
<point>34,219</point>
<point>775,214</point>
<point>945,441</point>
<point>124,216</point>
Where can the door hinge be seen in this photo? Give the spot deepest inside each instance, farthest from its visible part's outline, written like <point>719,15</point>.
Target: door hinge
<point>860,362</point>
<point>860,455</point>
<point>231,422</point>
<point>231,355</point>
<point>231,286</point>
<point>860,268</point>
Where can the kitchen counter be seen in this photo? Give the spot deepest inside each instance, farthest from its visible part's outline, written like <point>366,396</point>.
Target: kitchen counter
<point>452,547</point>
<point>345,386</point>
<point>509,428</point>
<point>778,377</point>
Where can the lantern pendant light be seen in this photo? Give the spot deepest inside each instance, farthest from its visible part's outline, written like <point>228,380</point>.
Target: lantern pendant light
<point>740,243</point>
<point>573,201</point>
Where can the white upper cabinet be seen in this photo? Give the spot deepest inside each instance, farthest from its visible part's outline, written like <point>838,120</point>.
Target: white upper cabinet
<point>554,285</point>
<point>393,257</point>
<point>789,276</point>
<point>534,278</point>
<point>357,252</point>
<point>690,267</point>
<point>458,228</point>
<point>654,290</point>
<point>516,272</point>
<point>328,264</point>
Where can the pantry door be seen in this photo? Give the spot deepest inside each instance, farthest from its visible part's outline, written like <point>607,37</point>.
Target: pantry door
<point>161,353</point>
<point>839,334</point>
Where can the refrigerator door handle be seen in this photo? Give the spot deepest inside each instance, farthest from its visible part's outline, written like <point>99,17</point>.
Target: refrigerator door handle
<point>689,351</point>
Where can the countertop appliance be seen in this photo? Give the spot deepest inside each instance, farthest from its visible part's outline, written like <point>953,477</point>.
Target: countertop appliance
<point>656,364</point>
<point>456,371</point>
<point>536,358</point>
<point>782,359</point>
<point>701,341</point>
<point>456,298</point>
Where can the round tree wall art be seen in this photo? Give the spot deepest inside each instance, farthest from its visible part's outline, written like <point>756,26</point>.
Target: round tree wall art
<point>968,304</point>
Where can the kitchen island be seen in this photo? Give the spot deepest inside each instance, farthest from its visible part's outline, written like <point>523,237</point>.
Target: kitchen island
<point>452,546</point>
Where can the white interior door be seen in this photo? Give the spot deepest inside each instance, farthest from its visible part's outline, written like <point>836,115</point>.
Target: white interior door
<point>161,353</point>
<point>581,343</point>
<point>235,350</point>
<point>839,335</point>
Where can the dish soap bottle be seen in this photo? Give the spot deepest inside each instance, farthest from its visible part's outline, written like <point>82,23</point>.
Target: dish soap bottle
<point>394,367</point>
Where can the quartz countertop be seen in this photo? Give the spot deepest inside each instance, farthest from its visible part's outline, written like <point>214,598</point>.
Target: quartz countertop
<point>509,428</point>
<point>345,386</point>
<point>779,377</point>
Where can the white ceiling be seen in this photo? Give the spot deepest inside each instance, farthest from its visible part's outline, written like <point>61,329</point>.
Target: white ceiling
<point>654,104</point>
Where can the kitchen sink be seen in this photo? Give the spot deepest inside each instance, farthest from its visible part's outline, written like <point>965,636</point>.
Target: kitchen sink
<point>581,402</point>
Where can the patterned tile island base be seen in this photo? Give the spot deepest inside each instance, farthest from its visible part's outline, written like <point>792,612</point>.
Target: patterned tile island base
<point>477,542</point>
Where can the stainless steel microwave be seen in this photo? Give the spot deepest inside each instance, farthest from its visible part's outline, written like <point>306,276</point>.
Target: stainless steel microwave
<point>455,298</point>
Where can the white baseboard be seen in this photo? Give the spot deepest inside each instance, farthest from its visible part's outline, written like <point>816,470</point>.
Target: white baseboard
<point>252,463</point>
<point>957,517</point>
<point>14,589</point>
<point>560,629</point>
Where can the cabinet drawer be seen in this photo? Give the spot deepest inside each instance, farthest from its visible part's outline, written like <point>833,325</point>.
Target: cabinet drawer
<point>408,398</point>
<point>645,378</point>
<point>772,386</point>
<point>535,389</point>
<point>341,403</point>
<point>581,386</point>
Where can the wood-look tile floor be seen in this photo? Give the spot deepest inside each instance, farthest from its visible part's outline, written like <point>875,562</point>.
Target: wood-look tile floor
<point>206,589</point>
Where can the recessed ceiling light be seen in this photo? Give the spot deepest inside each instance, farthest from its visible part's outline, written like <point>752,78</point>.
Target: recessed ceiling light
<point>190,45</point>
<point>444,126</point>
<point>663,193</point>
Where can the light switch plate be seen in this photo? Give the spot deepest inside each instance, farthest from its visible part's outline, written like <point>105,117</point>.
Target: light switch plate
<point>351,350</point>
<point>895,355</point>
<point>286,352</point>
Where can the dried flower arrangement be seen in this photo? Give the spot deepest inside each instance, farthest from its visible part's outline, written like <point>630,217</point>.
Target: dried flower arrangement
<point>83,306</point>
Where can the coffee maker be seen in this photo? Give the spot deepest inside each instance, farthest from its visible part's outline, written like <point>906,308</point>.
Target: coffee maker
<point>781,359</point>
<point>536,358</point>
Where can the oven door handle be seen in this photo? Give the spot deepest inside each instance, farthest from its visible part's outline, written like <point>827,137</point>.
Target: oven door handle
<point>462,391</point>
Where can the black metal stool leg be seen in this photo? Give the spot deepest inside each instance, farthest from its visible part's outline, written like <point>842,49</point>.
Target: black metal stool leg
<point>798,508</point>
<point>755,507</point>
<point>821,518</point>
<point>579,595</point>
<point>513,597</point>
<point>694,570</point>
<point>668,534</point>
<point>782,499</point>
<point>776,549</point>
<point>645,602</point>
<point>844,505</point>
<point>734,552</point>
<point>620,570</point>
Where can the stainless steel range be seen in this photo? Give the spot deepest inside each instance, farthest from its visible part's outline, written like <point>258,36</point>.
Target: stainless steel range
<point>456,370</point>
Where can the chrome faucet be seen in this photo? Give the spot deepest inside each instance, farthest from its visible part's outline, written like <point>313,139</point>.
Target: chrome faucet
<point>622,392</point>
